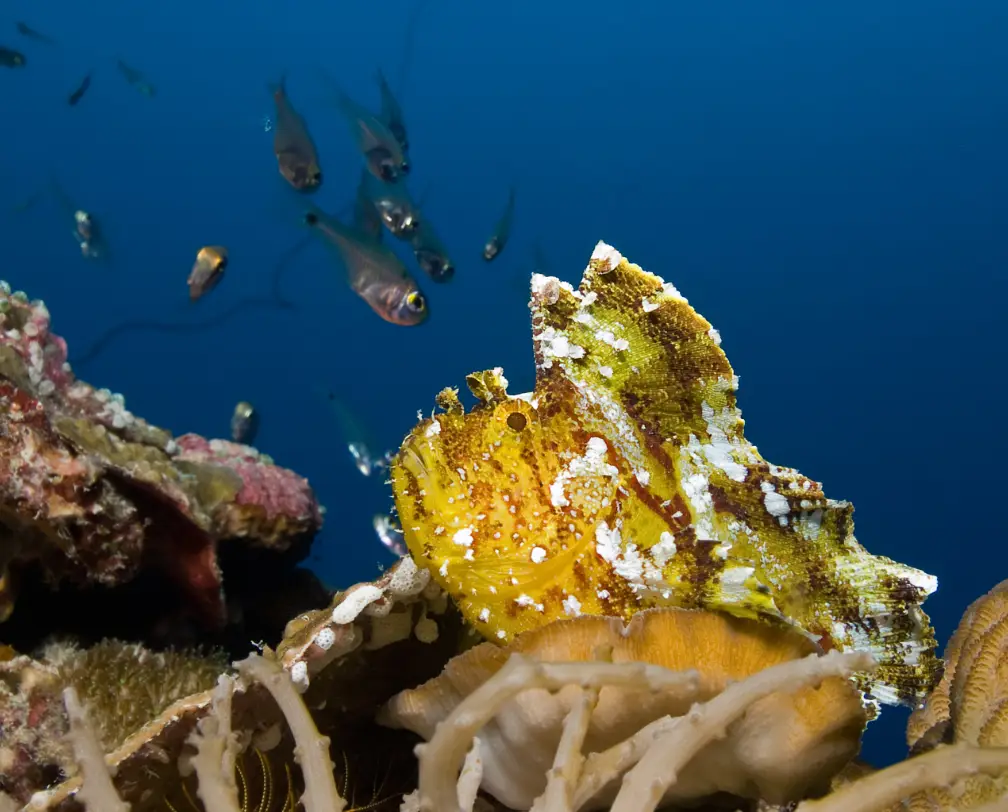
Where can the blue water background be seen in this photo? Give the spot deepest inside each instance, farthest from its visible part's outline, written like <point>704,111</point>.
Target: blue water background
<point>825,184</point>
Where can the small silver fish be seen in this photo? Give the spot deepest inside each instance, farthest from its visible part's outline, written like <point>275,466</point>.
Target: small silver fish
<point>361,457</point>
<point>393,204</point>
<point>499,238</point>
<point>390,534</point>
<point>383,154</point>
<point>87,235</point>
<point>244,423</point>
<point>431,254</point>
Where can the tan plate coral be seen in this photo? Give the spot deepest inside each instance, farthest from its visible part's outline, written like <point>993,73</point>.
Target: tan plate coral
<point>624,482</point>
<point>778,748</point>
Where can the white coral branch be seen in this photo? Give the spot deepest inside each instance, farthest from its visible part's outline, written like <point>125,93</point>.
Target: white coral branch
<point>562,779</point>
<point>216,749</point>
<point>470,778</point>
<point>937,768</point>
<point>441,757</point>
<point>311,748</point>
<point>602,768</point>
<point>646,784</point>
<point>97,791</point>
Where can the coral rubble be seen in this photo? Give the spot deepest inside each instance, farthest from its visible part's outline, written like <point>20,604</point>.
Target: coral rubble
<point>624,481</point>
<point>92,494</point>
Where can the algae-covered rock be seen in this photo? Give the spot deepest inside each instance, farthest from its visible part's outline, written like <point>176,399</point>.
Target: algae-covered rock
<point>92,494</point>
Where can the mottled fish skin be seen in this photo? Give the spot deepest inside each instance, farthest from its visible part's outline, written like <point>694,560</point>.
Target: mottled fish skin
<point>293,146</point>
<point>624,482</point>
<point>431,254</point>
<point>373,272</point>
<point>10,58</point>
<point>391,113</point>
<point>500,235</point>
<point>396,208</point>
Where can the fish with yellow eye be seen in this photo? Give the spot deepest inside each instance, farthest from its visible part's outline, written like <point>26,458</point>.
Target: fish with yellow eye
<point>624,482</point>
<point>373,271</point>
<point>207,271</point>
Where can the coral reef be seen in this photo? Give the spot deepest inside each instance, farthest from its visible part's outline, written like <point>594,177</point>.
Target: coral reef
<point>689,689</point>
<point>92,494</point>
<point>374,640</point>
<point>624,482</point>
<point>728,733</point>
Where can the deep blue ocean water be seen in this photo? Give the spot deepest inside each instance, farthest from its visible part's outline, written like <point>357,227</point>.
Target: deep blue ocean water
<point>826,185</point>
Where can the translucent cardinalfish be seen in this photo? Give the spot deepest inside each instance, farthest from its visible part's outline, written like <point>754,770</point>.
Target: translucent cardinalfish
<point>383,154</point>
<point>136,79</point>
<point>373,271</point>
<point>87,231</point>
<point>10,58</point>
<point>624,481</point>
<point>207,271</point>
<point>391,113</point>
<point>26,30</point>
<point>499,238</point>
<point>293,146</point>
<point>431,254</point>
<point>244,423</point>
<point>393,203</point>
<point>79,91</point>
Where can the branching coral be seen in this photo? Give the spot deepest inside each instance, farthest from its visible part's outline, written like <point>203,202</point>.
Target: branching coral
<point>498,691</point>
<point>216,748</point>
<point>646,783</point>
<point>97,792</point>
<point>533,742</point>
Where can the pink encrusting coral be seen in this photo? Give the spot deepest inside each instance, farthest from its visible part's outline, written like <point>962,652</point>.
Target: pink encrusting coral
<point>269,495</point>
<point>93,494</point>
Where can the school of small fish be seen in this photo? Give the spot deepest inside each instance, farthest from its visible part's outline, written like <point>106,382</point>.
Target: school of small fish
<point>382,202</point>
